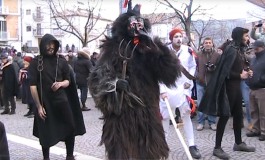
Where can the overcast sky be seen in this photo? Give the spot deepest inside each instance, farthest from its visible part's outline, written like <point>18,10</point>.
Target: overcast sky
<point>220,9</point>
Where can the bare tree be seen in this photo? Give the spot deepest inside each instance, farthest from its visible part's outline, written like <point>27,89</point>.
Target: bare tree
<point>201,28</point>
<point>78,21</point>
<point>218,30</point>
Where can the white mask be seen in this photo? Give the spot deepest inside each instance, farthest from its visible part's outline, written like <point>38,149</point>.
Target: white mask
<point>177,39</point>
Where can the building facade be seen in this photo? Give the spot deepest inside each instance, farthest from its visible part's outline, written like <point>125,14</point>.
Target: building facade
<point>38,20</point>
<point>9,23</point>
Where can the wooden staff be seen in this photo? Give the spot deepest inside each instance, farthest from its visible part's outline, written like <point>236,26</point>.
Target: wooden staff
<point>177,130</point>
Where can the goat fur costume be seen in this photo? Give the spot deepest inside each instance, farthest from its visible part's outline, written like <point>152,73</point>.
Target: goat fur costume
<point>133,130</point>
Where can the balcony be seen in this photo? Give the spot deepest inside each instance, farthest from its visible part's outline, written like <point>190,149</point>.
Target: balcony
<point>38,33</point>
<point>4,11</point>
<point>37,17</point>
<point>3,36</point>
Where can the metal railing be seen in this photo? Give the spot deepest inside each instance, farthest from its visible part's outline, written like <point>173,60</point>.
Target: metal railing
<point>37,17</point>
<point>4,10</point>
<point>38,32</point>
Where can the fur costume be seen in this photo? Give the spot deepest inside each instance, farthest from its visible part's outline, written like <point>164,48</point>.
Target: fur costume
<point>132,130</point>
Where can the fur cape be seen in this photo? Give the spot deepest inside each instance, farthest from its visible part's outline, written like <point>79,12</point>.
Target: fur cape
<point>134,130</point>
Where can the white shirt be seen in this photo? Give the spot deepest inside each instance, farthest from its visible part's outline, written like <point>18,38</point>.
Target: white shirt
<point>177,95</point>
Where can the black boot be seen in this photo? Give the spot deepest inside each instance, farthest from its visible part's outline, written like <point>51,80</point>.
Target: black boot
<point>195,152</point>
<point>12,112</point>
<point>6,111</point>
<point>31,115</point>
<point>27,114</point>
<point>70,158</point>
<point>84,108</point>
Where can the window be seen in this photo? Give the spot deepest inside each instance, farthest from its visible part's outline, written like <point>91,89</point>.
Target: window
<point>29,43</point>
<point>38,29</point>
<point>3,26</point>
<point>28,12</point>
<point>28,28</point>
<point>3,33</point>
<point>38,12</point>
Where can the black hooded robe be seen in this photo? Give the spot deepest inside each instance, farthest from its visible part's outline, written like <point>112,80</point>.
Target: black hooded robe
<point>4,151</point>
<point>134,130</point>
<point>215,101</point>
<point>64,115</point>
<point>223,92</point>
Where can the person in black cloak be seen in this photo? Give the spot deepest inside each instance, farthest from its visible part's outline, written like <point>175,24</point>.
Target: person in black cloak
<point>10,85</point>
<point>125,87</point>
<point>223,94</point>
<point>4,151</point>
<point>54,92</point>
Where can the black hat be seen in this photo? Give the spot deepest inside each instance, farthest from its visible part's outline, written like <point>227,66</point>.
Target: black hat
<point>4,55</point>
<point>19,54</point>
<point>258,43</point>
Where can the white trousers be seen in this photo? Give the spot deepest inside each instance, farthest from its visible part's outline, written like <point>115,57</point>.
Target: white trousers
<point>187,124</point>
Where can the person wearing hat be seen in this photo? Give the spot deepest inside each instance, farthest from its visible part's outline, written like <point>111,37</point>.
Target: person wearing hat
<point>59,116</point>
<point>182,90</point>
<point>71,58</point>
<point>256,83</point>
<point>82,69</point>
<point>223,96</point>
<point>10,85</point>
<point>25,87</point>
<point>94,58</point>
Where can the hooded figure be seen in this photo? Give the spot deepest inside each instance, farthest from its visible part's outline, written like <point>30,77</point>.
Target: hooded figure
<point>125,87</point>
<point>4,150</point>
<point>217,104</point>
<point>223,93</point>
<point>59,115</point>
<point>10,84</point>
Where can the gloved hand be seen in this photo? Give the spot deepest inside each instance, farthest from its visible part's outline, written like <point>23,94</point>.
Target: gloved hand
<point>122,85</point>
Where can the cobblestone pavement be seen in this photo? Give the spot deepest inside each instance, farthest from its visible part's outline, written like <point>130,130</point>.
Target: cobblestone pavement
<point>88,144</point>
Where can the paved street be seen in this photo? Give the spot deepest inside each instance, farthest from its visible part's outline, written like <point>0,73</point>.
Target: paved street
<point>24,146</point>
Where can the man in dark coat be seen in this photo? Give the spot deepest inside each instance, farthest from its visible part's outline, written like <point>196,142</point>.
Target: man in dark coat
<point>18,64</point>
<point>10,85</point>
<point>125,87</point>
<point>94,58</point>
<point>4,151</point>
<point>59,115</point>
<point>256,84</point>
<point>223,94</point>
<point>25,87</point>
<point>82,69</point>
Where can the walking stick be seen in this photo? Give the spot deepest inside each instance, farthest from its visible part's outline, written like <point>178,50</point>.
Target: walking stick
<point>177,130</point>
